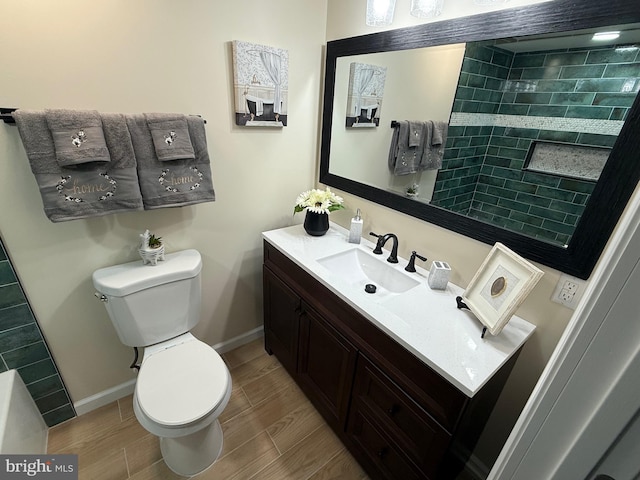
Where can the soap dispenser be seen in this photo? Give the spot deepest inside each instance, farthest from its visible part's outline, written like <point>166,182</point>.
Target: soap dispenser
<point>355,232</point>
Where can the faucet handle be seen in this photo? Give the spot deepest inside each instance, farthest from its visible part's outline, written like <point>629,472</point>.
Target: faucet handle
<point>411,266</point>
<point>378,249</point>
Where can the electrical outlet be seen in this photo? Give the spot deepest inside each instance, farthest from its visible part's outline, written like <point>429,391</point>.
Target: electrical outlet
<point>568,291</point>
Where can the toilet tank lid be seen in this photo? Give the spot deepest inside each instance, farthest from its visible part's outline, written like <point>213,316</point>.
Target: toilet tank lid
<point>121,280</point>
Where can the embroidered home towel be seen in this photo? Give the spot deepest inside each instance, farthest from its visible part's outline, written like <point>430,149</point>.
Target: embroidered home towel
<point>172,183</point>
<point>78,136</point>
<point>433,152</point>
<point>170,135</point>
<point>86,189</point>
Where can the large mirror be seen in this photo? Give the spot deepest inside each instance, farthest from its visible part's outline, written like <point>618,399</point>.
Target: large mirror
<point>540,127</point>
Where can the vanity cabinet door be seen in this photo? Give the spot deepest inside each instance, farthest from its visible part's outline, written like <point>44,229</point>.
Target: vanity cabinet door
<point>326,364</point>
<point>378,400</point>
<point>282,308</point>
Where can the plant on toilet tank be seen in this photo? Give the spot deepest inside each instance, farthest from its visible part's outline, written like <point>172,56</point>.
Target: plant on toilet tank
<point>151,248</point>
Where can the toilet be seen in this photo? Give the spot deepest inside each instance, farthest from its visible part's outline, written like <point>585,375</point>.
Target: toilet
<point>183,384</point>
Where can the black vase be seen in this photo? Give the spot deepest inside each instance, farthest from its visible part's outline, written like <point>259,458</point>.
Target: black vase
<point>316,224</point>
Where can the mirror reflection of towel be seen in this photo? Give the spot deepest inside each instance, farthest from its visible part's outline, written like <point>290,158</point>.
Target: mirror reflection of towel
<point>434,149</point>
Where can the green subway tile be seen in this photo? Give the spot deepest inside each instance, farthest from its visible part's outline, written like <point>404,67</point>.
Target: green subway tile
<point>597,140</point>
<point>614,99</point>
<point>514,205</point>
<point>465,93</point>
<point>528,60</point>
<point>6,273</point>
<point>497,161</point>
<point>494,84</point>
<point>533,200</point>
<point>16,316</point>
<point>600,113</point>
<point>463,79</point>
<point>494,71</point>
<point>556,136</point>
<point>542,73</point>
<point>519,186</point>
<point>566,58</point>
<point>478,52</point>
<point>495,210</point>
<point>512,153</point>
<point>506,109</point>
<point>495,97</point>
<point>556,85</point>
<point>472,130</point>
<point>587,71</point>
<point>3,368</point>
<point>572,98</point>
<point>558,227</point>
<point>52,401</point>
<point>509,97</point>
<point>611,55</point>
<point>581,198</point>
<point>624,70</point>
<point>11,295</point>
<point>460,142</point>
<point>469,65</point>
<point>555,194</point>
<point>482,95</point>
<point>504,194</point>
<point>526,218</point>
<point>491,181</point>
<point>45,387</point>
<point>59,415</point>
<point>457,106</point>
<point>466,152</point>
<point>547,111</point>
<point>570,208</point>
<point>577,186</point>
<point>524,143</point>
<point>534,98</point>
<point>544,179</point>
<point>476,81</point>
<point>26,355</point>
<point>456,131</point>
<point>37,371</point>
<point>502,58</point>
<point>619,113</point>
<point>487,107</point>
<point>516,73</point>
<point>469,107</point>
<point>506,173</point>
<point>504,141</point>
<point>19,336</point>
<point>600,85</point>
<point>521,132</point>
<point>3,254</point>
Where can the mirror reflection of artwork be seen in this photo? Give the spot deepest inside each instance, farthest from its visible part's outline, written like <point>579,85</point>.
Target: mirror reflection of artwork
<point>261,84</point>
<point>366,88</point>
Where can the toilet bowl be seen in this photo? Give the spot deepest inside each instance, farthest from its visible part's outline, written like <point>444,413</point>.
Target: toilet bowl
<point>183,385</point>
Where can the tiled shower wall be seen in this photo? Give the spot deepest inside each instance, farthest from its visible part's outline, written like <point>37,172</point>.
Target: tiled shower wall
<point>23,348</point>
<point>505,102</point>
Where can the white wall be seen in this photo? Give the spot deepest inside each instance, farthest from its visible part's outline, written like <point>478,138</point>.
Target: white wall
<point>153,56</point>
<point>346,19</point>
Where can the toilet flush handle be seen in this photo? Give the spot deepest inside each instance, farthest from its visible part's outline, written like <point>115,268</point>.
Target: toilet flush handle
<point>101,296</point>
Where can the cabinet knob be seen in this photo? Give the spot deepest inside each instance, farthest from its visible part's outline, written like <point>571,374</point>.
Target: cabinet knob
<point>393,409</point>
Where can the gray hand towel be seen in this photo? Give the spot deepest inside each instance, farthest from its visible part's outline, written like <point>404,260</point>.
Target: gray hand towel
<point>170,135</point>
<point>78,136</point>
<point>171,183</point>
<point>434,149</point>
<point>83,190</point>
<point>403,158</point>
<point>416,131</point>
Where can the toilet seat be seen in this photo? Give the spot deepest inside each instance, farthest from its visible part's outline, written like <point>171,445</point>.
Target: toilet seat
<point>181,384</point>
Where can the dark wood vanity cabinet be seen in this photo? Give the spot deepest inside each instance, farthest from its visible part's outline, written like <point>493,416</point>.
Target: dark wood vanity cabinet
<point>398,417</point>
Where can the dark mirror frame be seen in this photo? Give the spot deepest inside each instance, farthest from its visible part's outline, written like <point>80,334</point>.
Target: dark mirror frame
<point>617,181</point>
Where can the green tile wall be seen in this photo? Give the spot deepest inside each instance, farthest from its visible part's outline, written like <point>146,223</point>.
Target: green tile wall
<point>22,347</point>
<point>482,172</point>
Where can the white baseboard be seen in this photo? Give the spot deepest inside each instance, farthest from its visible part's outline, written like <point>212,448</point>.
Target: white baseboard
<point>105,397</point>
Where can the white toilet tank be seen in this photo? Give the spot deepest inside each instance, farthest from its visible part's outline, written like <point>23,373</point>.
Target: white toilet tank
<point>149,304</point>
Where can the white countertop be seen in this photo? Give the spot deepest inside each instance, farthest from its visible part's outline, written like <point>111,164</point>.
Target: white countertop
<point>426,322</point>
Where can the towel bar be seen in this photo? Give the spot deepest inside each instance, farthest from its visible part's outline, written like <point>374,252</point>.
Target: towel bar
<point>5,115</point>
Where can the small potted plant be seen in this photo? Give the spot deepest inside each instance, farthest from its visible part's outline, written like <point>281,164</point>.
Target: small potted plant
<point>412,190</point>
<point>318,204</point>
<point>151,248</point>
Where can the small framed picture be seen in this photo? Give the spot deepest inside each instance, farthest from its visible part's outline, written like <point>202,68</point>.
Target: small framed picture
<point>499,286</point>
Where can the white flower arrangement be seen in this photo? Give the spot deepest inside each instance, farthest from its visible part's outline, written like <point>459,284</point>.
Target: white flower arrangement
<point>318,201</point>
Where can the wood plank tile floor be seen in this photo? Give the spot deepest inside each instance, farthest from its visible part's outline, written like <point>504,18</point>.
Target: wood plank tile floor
<point>271,431</point>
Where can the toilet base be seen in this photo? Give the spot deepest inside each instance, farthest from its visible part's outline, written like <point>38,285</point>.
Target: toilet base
<point>191,454</point>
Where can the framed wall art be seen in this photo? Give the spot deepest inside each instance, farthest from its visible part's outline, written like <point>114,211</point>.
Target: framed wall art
<point>261,85</point>
<point>366,89</point>
<point>499,286</point>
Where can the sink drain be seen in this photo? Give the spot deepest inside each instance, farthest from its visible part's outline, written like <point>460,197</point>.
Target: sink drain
<point>370,288</point>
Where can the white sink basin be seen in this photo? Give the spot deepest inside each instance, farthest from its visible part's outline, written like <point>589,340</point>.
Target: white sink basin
<point>360,268</point>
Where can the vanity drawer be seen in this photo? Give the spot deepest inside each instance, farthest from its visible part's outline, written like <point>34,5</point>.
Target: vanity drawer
<point>406,422</point>
<point>383,455</point>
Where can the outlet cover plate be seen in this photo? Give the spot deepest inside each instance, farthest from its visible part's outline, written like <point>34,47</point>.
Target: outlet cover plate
<point>569,291</point>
